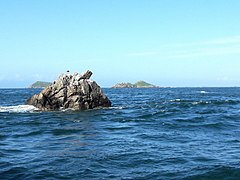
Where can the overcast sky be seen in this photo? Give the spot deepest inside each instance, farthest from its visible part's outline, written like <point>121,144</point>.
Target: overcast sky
<point>164,42</point>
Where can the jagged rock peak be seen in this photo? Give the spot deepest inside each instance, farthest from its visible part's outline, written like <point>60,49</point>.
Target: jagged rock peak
<point>74,91</point>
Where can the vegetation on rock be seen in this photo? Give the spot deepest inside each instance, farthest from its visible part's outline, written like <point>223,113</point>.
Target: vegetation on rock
<point>139,84</point>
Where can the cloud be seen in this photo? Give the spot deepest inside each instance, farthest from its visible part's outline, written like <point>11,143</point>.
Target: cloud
<point>224,41</point>
<point>208,51</point>
<point>2,77</point>
<point>150,53</point>
<point>214,47</point>
<point>14,77</point>
<point>37,76</point>
<point>18,77</point>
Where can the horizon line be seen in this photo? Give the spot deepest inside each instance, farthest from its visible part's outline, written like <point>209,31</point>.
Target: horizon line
<point>159,87</point>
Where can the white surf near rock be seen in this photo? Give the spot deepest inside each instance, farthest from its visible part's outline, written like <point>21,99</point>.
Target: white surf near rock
<point>18,109</point>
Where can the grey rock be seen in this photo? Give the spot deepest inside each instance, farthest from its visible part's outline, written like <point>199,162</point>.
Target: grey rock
<point>71,91</point>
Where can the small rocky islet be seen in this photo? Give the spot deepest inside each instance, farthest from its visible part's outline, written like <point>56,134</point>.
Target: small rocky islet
<point>139,84</point>
<point>75,91</point>
<point>40,84</point>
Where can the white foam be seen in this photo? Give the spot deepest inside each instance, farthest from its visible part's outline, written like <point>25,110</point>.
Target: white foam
<point>203,92</point>
<point>68,109</point>
<point>18,109</point>
<point>175,100</point>
<point>117,107</point>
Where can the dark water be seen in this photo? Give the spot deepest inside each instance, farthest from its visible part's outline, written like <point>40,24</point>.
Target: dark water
<point>172,133</point>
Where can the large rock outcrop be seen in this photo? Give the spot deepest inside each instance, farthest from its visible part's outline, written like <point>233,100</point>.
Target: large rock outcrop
<point>74,91</point>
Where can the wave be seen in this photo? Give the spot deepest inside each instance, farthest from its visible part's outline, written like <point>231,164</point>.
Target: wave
<point>30,108</point>
<point>18,109</point>
<point>175,100</point>
<point>205,102</point>
<point>223,172</point>
<point>116,107</point>
<point>204,92</point>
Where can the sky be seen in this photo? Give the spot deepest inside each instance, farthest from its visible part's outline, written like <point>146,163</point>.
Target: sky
<point>164,42</point>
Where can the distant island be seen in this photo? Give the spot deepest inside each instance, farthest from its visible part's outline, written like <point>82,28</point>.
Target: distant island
<point>40,84</point>
<point>139,84</point>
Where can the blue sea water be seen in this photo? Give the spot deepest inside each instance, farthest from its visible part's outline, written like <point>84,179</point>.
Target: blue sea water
<point>162,133</point>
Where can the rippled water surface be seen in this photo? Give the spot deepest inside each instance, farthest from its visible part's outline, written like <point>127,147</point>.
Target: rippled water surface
<point>165,133</point>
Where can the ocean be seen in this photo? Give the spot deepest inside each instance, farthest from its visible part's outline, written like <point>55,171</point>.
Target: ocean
<point>161,133</point>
